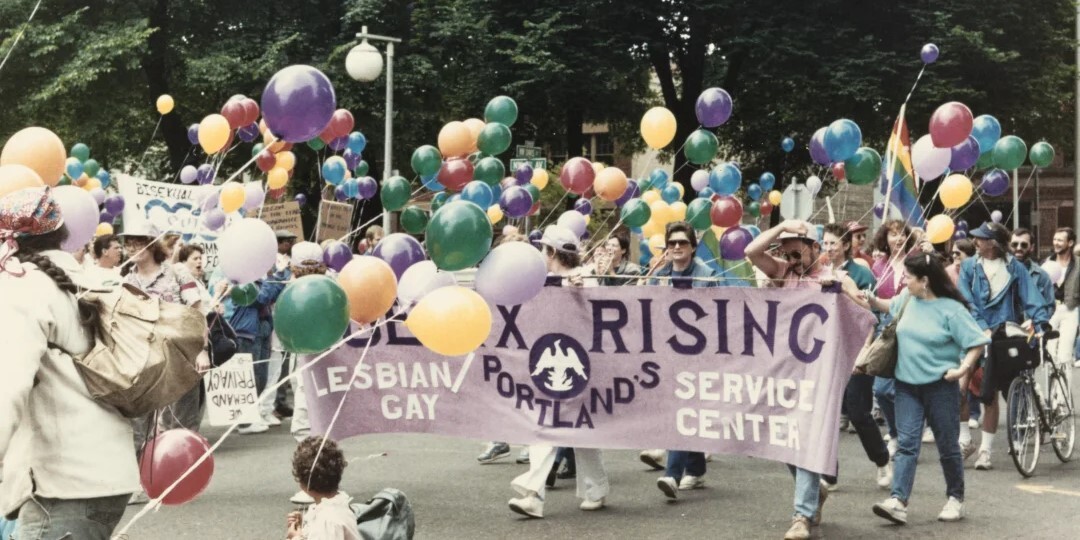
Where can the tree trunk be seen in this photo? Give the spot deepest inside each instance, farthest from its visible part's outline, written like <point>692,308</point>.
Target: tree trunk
<point>156,67</point>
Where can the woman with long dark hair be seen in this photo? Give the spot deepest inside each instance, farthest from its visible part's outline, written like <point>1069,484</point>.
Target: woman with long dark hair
<point>938,342</point>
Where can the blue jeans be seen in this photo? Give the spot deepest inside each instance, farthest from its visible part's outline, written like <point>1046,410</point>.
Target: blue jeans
<point>807,489</point>
<point>680,462</point>
<point>938,404</point>
<point>262,352</point>
<point>885,392</point>
<point>76,519</point>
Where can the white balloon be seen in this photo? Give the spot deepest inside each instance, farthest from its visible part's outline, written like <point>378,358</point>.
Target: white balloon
<point>80,213</point>
<point>1054,269</point>
<point>419,280</point>
<point>248,250</point>
<point>573,220</point>
<point>928,160</point>
<point>699,180</point>
<point>814,185</point>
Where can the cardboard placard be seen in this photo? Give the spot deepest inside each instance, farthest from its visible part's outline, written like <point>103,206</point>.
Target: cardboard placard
<point>335,220</point>
<point>284,217</point>
<point>230,392</point>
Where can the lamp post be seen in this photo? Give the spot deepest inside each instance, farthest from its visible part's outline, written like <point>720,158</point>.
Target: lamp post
<point>364,63</point>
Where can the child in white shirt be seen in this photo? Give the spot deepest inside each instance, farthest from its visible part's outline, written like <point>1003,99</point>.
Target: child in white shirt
<point>319,472</point>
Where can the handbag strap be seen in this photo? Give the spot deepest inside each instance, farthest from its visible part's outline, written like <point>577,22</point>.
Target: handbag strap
<point>902,308</point>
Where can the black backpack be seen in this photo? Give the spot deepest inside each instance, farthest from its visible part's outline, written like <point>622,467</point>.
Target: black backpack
<point>386,516</point>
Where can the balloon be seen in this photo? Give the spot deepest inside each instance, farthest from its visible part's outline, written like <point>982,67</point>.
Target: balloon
<point>698,214</point>
<point>213,133</point>
<point>426,160</point>
<point>928,160</point>
<point>950,124</point>
<point>701,147</point>
<point>478,193</point>
<point>651,196</point>
<point>336,255</point>
<point>635,213</point>
<point>699,180</point>
<point>929,53</point>
<point>459,235</point>
<point>987,130</point>
<point>361,169</point>
<point>658,127</point>
<point>733,243</point>
<point>233,111</point>
<point>817,147</point>
<point>455,139</point>
<point>494,139</point>
<point>38,149</point>
<point>232,197</point>
<point>754,209</point>
<point>839,170</point>
<point>400,251</point>
<point>658,179</point>
<point>1041,154</point>
<point>766,208</point>
<point>995,182</point>
<point>1009,152</point>
<point>265,161</point>
<point>420,279</point>
<point>188,174</point>
<point>395,193</point>
<point>432,183</point>
<point>89,184</point>
<point>298,103</point>
<point>610,183</point>
<point>352,159</point>
<point>455,174</point>
<point>523,174</point>
<point>774,198</point>
<point>101,230</point>
<point>573,221</point>
<point>1054,270</point>
<point>334,169</point>
<point>577,175</point>
<point>726,211</point>
<point>16,177</point>
<point>962,225</point>
<point>939,229</point>
<point>632,190</point>
<point>767,180</point>
<point>193,134</point>
<point>277,178</point>
<point>439,200</point>
<point>986,160</point>
<point>249,132</point>
<point>414,219</point>
<point>341,123</point>
<point>511,274</point>
<point>91,167</point>
<point>105,217</point>
<point>670,194</point>
<point>244,295</point>
<point>842,139</point>
<point>73,167</point>
<point>713,107</point>
<point>725,179</point>
<point>248,249</point>
<point>502,110</point>
<point>312,313</point>
<point>213,219</point>
<point>80,212</point>
<point>451,321</point>
<point>539,179</point>
<point>167,457</point>
<point>955,191</point>
<point>114,204</point>
<point>787,144</point>
<point>996,216</point>
<point>253,195</point>
<point>678,210</point>
<point>813,183</point>
<point>80,151</point>
<point>965,154</point>
<point>489,170</point>
<point>205,174</point>
<point>494,214</point>
<point>864,167</point>
<point>300,199</point>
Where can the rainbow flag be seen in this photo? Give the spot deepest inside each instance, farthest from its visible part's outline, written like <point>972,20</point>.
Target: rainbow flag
<point>898,181</point>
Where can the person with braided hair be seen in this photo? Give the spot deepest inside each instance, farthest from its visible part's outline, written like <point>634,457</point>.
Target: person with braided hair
<point>68,463</point>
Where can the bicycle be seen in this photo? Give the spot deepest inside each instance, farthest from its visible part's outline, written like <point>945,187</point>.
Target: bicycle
<point>1030,416</point>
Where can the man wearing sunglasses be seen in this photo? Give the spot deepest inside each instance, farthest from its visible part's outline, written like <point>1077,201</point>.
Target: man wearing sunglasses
<point>1022,248</point>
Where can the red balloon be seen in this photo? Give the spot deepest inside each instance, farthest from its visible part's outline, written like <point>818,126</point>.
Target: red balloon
<point>251,111</point>
<point>327,135</point>
<point>455,173</point>
<point>167,457</point>
<point>534,210</point>
<point>265,160</point>
<point>950,125</point>
<point>766,208</point>
<point>726,211</point>
<point>341,123</point>
<point>276,193</point>
<point>233,111</point>
<point>577,175</point>
<point>838,171</point>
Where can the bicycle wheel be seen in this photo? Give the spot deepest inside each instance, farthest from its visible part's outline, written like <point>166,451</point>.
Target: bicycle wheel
<point>1062,418</point>
<point>1022,426</point>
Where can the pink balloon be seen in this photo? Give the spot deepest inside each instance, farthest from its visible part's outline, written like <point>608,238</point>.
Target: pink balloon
<point>577,175</point>
<point>950,124</point>
<point>80,213</point>
<point>929,161</point>
<point>167,457</point>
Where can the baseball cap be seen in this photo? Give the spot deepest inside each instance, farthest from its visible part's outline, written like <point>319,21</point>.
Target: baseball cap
<point>561,239</point>
<point>854,227</point>
<point>282,234</point>
<point>306,252</point>
<point>992,231</point>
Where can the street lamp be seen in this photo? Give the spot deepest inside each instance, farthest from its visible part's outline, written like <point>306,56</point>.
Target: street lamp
<point>364,63</point>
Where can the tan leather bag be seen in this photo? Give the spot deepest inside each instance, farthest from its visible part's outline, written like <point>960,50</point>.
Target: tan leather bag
<point>878,357</point>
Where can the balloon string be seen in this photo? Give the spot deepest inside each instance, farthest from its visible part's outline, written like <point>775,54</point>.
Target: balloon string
<point>553,209</point>
<point>20,35</point>
<point>150,143</point>
<point>917,79</point>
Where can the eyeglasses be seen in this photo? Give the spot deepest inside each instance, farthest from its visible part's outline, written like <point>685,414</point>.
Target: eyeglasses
<point>1023,245</point>
<point>675,243</point>
<point>793,255</point>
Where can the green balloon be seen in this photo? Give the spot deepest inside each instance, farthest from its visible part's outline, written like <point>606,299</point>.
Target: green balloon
<point>311,314</point>
<point>256,149</point>
<point>698,214</point>
<point>701,147</point>
<point>81,152</point>
<point>1009,152</point>
<point>361,170</point>
<point>414,220</point>
<point>1042,154</point>
<point>636,213</point>
<point>64,181</point>
<point>458,236</point>
<point>754,208</point>
<point>862,168</point>
<point>502,110</point>
<point>244,295</point>
<point>986,160</point>
<point>490,170</point>
<point>91,167</point>
<point>426,160</point>
<point>494,139</point>
<point>395,193</point>
<point>534,191</point>
<point>316,144</point>
<point>439,200</point>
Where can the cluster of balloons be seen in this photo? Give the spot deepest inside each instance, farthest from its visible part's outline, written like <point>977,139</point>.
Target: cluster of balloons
<point>839,146</point>
<point>713,109</point>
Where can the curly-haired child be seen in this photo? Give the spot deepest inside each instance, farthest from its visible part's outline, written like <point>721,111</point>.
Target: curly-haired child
<point>319,473</point>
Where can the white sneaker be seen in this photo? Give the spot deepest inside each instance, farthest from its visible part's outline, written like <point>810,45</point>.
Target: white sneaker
<point>257,427</point>
<point>973,423</point>
<point>588,505</point>
<point>301,498</point>
<point>1076,364</point>
<point>139,498</point>
<point>827,487</point>
<point>271,420</point>
<point>668,485</point>
<point>927,435</point>
<point>656,459</point>
<point>885,475</point>
<point>691,482</point>
<point>530,505</point>
<point>953,511</point>
<point>893,510</point>
<point>983,461</point>
<point>893,447</point>
<point>523,457</point>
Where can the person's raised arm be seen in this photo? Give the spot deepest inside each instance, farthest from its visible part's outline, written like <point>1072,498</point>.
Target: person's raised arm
<point>757,251</point>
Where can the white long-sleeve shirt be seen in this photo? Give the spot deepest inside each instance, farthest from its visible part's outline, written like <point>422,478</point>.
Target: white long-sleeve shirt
<point>331,519</point>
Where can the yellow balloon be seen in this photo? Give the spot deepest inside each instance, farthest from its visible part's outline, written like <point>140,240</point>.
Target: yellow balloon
<point>661,212</point>
<point>451,321</point>
<point>658,127</point>
<point>475,126</point>
<point>682,190</point>
<point>277,177</point>
<point>15,177</point>
<point>286,160</point>
<point>774,197</point>
<point>103,229</point>
<point>91,184</point>
<point>40,150</point>
<point>540,179</point>
<point>718,231</point>
<point>213,133</point>
<point>652,228</point>
<point>597,167</point>
<point>232,197</point>
<point>651,196</point>
<point>165,104</point>
<point>494,213</point>
<point>678,210</point>
<point>956,191</point>
<point>656,244</point>
<point>940,229</point>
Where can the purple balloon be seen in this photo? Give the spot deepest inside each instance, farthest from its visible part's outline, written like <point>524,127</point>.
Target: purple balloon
<point>632,190</point>
<point>340,195</point>
<point>106,217</point>
<point>400,251</point>
<point>879,210</point>
<point>368,186</point>
<point>114,204</point>
<point>511,274</point>
<point>995,182</point>
<point>352,159</point>
<point>249,132</point>
<point>339,143</point>
<point>733,243</point>
<point>817,148</point>
<point>713,107</point>
<point>205,174</point>
<point>193,133</point>
<point>959,235</point>
<point>189,174</point>
<point>962,225</point>
<point>965,154</point>
<point>583,206</point>
<point>536,235</point>
<point>300,199</point>
<point>516,201</point>
<point>523,174</point>
<point>213,219</point>
<point>996,216</point>
<point>337,255</point>
<point>929,53</point>
<point>297,103</point>
<point>253,195</point>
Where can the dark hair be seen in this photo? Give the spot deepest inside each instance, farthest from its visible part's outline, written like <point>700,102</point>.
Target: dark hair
<point>929,265</point>
<point>966,246</point>
<point>103,243</point>
<point>881,238</point>
<point>1020,231</point>
<point>840,232</point>
<point>1070,234</point>
<point>324,475</point>
<point>683,227</point>
<point>569,259</point>
<point>155,248</point>
<point>188,250</point>
<point>624,239</point>
<point>30,251</point>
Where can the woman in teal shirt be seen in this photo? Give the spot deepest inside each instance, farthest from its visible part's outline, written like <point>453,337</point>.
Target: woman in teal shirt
<point>938,342</point>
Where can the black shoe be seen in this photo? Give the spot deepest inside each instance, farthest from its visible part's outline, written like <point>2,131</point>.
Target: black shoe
<point>283,412</point>
<point>550,482</point>
<point>567,473</point>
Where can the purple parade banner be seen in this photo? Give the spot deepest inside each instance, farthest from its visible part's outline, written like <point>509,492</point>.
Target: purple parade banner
<point>753,372</point>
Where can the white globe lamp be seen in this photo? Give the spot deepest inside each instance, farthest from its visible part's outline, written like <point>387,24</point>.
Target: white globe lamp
<point>364,62</point>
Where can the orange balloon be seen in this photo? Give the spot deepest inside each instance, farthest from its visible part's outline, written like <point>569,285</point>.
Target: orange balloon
<point>232,197</point>
<point>455,139</point>
<point>81,181</point>
<point>39,149</point>
<point>475,126</point>
<point>286,160</point>
<point>15,177</point>
<point>371,287</point>
<point>277,178</point>
<point>610,183</point>
<point>274,148</point>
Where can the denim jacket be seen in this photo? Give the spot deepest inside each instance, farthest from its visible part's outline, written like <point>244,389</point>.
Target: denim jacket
<point>1042,282</point>
<point>697,269</point>
<point>1018,301</point>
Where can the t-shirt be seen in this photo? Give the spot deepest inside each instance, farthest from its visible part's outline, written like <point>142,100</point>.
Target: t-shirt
<point>331,519</point>
<point>997,273</point>
<point>861,275</point>
<point>932,336</point>
<point>889,284</point>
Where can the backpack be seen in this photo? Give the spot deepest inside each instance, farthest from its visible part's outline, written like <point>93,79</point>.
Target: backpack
<point>387,516</point>
<point>144,352</point>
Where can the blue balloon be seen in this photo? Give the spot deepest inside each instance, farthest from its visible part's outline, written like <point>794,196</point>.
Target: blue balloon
<point>842,138</point>
<point>73,167</point>
<point>333,171</point>
<point>104,177</point>
<point>670,193</point>
<point>357,142</point>
<point>706,193</point>
<point>754,192</point>
<point>725,179</point>
<point>496,192</point>
<point>478,193</point>
<point>658,179</point>
<point>987,130</point>
<point>754,230</point>
<point>351,187</point>
<point>767,180</point>
<point>788,144</point>
<point>454,197</point>
<point>432,182</point>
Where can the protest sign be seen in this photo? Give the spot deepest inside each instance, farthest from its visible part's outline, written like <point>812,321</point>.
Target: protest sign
<point>283,217</point>
<point>335,220</point>
<point>230,392</point>
<point>756,372</point>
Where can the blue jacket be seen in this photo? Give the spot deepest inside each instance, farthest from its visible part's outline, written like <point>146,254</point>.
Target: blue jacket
<point>1042,283</point>
<point>245,319</point>
<point>1018,301</point>
<point>697,269</point>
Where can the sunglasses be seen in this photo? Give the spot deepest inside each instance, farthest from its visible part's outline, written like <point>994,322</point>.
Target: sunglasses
<point>1020,245</point>
<point>793,255</point>
<point>675,243</point>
